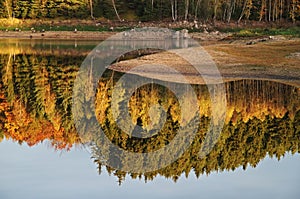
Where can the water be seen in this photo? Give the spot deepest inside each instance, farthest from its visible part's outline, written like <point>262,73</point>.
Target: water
<point>43,155</point>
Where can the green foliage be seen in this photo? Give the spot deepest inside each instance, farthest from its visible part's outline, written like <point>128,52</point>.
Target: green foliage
<point>241,32</point>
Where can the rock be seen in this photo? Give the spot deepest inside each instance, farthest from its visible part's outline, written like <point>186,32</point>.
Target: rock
<point>263,40</point>
<point>126,34</point>
<point>185,33</point>
<point>176,35</point>
<point>250,43</point>
<point>295,55</point>
<point>215,33</point>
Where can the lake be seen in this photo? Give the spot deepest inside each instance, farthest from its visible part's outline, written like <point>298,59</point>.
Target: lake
<point>59,139</point>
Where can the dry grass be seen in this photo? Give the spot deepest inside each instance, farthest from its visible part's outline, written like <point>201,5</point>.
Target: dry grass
<point>262,54</point>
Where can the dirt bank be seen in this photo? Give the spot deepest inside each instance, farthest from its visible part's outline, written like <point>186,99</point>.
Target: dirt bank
<point>268,60</point>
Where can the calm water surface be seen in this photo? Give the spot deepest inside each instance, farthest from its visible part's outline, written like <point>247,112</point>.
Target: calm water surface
<point>43,156</point>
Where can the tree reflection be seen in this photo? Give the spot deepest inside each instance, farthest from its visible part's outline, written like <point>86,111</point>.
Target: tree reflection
<point>36,94</point>
<point>263,117</point>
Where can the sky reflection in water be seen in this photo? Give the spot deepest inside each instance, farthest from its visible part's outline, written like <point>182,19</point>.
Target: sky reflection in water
<point>39,172</point>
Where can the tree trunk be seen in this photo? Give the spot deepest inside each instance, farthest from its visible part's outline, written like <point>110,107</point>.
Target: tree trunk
<point>270,9</point>
<point>243,11</point>
<point>293,11</point>
<point>225,13</point>
<point>91,9</point>
<point>8,9</point>
<point>230,11</point>
<point>274,11</point>
<point>215,10</point>
<point>116,11</point>
<point>176,11</point>
<point>173,10</point>
<point>262,9</point>
<point>152,2</point>
<point>281,9</point>
<point>187,4</point>
<point>196,9</point>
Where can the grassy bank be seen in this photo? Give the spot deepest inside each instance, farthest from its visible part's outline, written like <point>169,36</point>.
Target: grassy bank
<point>248,32</point>
<point>101,25</point>
<point>59,25</point>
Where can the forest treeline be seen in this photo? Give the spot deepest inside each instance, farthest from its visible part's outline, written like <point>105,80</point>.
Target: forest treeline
<point>153,10</point>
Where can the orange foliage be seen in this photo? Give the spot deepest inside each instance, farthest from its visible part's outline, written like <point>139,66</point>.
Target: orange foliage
<point>19,126</point>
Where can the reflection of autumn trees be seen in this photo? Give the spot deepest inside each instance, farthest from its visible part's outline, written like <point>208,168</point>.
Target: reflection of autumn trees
<point>36,96</point>
<point>263,118</point>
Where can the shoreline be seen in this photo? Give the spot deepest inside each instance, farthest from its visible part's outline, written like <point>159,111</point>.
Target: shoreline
<point>274,60</point>
<point>216,35</point>
<point>61,35</point>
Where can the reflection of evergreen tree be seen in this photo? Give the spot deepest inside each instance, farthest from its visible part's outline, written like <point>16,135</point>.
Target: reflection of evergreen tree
<point>62,72</point>
<point>24,84</point>
<point>7,75</point>
<point>242,144</point>
<point>263,122</point>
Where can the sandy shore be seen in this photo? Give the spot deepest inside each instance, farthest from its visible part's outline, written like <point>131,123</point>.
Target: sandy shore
<point>274,60</point>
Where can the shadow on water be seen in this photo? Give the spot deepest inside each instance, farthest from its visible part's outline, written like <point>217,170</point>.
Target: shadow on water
<point>262,119</point>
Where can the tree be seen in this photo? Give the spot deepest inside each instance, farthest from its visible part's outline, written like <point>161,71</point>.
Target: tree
<point>293,10</point>
<point>196,9</point>
<point>8,6</point>
<point>187,4</point>
<point>216,2</point>
<point>246,11</point>
<point>174,10</point>
<point>91,9</point>
<point>115,9</point>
